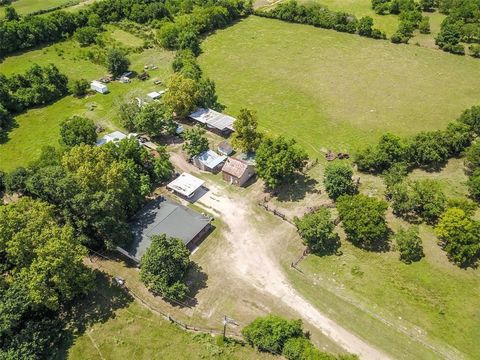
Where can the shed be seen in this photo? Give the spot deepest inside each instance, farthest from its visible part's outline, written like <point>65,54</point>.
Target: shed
<point>214,120</point>
<point>225,148</point>
<point>164,216</point>
<point>186,185</point>
<point>209,161</point>
<point>154,95</point>
<point>98,87</point>
<point>237,172</point>
<point>115,137</point>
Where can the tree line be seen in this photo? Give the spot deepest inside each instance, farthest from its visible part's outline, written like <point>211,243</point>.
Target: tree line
<point>37,86</point>
<point>320,16</point>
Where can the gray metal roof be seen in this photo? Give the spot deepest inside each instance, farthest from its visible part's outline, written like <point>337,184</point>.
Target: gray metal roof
<point>213,119</point>
<point>164,216</point>
<point>211,159</point>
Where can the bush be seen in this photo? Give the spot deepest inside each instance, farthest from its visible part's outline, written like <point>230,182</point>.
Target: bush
<point>459,236</point>
<point>164,265</point>
<point>270,333</point>
<point>338,180</point>
<point>409,244</point>
<point>363,219</point>
<point>471,118</point>
<point>424,25</point>
<point>474,50</point>
<point>317,232</point>
<point>86,36</point>
<point>473,184</point>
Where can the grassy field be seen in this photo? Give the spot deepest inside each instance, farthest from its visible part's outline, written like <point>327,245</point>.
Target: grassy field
<point>335,90</point>
<point>110,324</point>
<point>39,127</point>
<point>25,7</point>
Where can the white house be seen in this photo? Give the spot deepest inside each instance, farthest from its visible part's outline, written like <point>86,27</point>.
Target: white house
<point>98,87</point>
<point>186,185</point>
<point>115,137</point>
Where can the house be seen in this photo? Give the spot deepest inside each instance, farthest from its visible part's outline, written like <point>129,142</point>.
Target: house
<point>164,216</point>
<point>186,185</point>
<point>225,148</point>
<point>115,137</point>
<point>209,161</point>
<point>214,120</point>
<point>237,172</point>
<point>98,87</point>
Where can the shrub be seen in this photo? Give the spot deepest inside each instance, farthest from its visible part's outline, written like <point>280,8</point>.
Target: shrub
<point>363,219</point>
<point>317,231</point>
<point>86,36</point>
<point>473,184</point>
<point>79,88</point>
<point>338,180</point>
<point>270,333</point>
<point>424,25</point>
<point>409,244</point>
<point>471,118</point>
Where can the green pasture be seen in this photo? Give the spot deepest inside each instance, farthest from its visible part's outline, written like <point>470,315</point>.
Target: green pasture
<point>25,7</point>
<point>39,127</point>
<point>333,90</point>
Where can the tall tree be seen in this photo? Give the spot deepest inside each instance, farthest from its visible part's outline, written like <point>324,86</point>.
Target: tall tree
<point>317,232</point>
<point>116,62</point>
<point>195,141</point>
<point>77,130</point>
<point>164,265</point>
<point>182,96</point>
<point>279,160</point>
<point>246,137</point>
<point>338,179</point>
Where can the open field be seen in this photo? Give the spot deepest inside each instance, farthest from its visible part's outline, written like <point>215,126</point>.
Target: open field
<point>39,127</point>
<point>337,90</point>
<point>25,7</point>
<point>112,325</point>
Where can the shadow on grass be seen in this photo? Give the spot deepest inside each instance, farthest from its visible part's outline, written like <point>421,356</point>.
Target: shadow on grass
<point>196,280</point>
<point>296,190</point>
<point>4,132</point>
<point>98,306</point>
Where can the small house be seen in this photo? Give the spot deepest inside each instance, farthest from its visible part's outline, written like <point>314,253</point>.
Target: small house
<point>225,148</point>
<point>237,172</point>
<point>186,185</point>
<point>98,87</point>
<point>215,121</point>
<point>209,161</point>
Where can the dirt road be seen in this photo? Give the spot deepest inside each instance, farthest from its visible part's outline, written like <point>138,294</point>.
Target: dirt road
<point>253,262</point>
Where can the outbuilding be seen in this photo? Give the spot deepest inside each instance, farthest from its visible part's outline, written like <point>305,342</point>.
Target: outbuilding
<point>186,185</point>
<point>115,137</point>
<point>237,172</point>
<point>98,87</point>
<point>155,95</point>
<point>225,148</point>
<point>218,122</point>
<point>209,161</point>
<point>164,216</point>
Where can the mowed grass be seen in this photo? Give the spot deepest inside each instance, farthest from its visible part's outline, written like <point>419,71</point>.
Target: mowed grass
<point>25,7</point>
<point>40,127</point>
<point>332,90</point>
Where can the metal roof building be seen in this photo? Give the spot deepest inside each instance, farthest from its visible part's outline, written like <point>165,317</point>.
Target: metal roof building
<point>209,161</point>
<point>186,185</point>
<point>163,216</point>
<point>213,119</point>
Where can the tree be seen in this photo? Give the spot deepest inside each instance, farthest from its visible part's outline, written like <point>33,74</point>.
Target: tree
<point>186,63</point>
<point>5,118</point>
<point>188,39</point>
<point>409,244</point>
<point>154,119</point>
<point>474,50</point>
<point>471,118</point>
<point>164,265</point>
<point>428,150</point>
<point>317,232</point>
<point>195,141</point>
<point>207,96</point>
<point>271,332</point>
<point>116,62</point>
<point>424,25</point>
<point>128,110</point>
<point>79,88</point>
<point>77,130</point>
<point>459,236</point>
<point>363,220</point>
<point>338,180</point>
<point>168,35</point>
<point>44,256</point>
<point>246,137</point>
<point>365,26</point>
<point>162,166</point>
<point>279,160</point>
<point>11,14</point>
<point>15,180</point>
<point>473,184</point>
<point>182,96</point>
<point>393,176</point>
<point>86,35</point>
<point>427,5</point>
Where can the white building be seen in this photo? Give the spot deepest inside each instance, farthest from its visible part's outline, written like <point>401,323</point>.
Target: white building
<point>98,87</point>
<point>115,137</point>
<point>186,185</point>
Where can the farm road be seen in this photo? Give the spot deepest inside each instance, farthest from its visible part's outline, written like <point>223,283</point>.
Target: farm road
<point>253,262</point>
